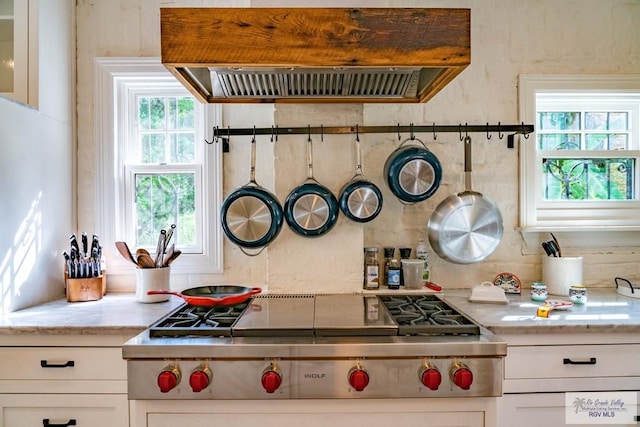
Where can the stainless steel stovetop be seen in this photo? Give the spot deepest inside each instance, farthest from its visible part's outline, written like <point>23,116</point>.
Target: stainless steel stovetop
<point>316,346</point>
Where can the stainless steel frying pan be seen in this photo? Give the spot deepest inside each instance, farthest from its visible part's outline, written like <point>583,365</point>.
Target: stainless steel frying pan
<point>466,227</point>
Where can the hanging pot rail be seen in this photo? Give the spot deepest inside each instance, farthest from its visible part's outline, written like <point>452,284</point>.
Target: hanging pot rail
<point>224,134</point>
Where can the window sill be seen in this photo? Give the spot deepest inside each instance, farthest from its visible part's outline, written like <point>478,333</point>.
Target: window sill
<point>591,239</point>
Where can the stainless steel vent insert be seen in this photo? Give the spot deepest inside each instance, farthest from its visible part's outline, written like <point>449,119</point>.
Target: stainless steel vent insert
<point>320,82</point>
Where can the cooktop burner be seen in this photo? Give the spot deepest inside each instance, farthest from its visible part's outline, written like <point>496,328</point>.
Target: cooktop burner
<point>198,321</point>
<point>426,314</point>
<point>325,315</point>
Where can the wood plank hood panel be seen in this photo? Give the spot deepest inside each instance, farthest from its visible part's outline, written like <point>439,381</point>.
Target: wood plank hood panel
<point>320,55</point>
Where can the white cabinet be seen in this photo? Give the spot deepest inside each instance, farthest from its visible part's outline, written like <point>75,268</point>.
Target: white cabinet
<point>15,51</point>
<point>61,385</point>
<point>539,370</point>
<point>462,412</point>
<point>20,410</point>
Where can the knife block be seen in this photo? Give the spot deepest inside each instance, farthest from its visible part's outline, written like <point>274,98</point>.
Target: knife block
<point>89,289</point>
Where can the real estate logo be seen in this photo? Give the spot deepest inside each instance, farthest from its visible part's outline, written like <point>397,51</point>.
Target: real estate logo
<point>611,407</point>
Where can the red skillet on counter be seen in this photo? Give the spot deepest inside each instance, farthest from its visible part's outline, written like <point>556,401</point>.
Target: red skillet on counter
<point>210,296</point>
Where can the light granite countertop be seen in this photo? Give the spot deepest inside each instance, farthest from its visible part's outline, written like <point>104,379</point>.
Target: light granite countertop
<point>605,311</point>
<point>113,314</point>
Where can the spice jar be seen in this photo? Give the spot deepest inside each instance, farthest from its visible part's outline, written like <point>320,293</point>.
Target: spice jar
<point>371,268</point>
<point>393,274</point>
<point>389,253</point>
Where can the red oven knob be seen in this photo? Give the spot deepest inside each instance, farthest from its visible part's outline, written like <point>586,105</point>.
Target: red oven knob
<point>271,380</point>
<point>168,379</point>
<point>200,379</point>
<point>431,378</point>
<point>358,378</point>
<point>461,376</point>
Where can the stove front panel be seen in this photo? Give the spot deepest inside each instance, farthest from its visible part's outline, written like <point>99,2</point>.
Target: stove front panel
<point>314,379</point>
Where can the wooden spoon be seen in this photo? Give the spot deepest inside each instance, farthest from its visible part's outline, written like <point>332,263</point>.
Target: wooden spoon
<point>123,248</point>
<point>145,260</point>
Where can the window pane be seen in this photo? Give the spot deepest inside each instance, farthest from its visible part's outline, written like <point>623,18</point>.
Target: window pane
<point>588,179</point>
<point>162,200</point>
<point>170,138</point>
<point>606,121</point>
<point>185,151</point>
<point>606,141</point>
<point>558,141</point>
<point>152,148</point>
<point>559,121</point>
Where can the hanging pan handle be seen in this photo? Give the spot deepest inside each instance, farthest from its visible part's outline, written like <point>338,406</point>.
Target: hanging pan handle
<point>252,172</point>
<point>310,159</point>
<point>467,163</point>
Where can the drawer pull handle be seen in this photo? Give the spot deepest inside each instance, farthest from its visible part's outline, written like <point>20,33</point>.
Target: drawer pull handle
<point>46,423</point>
<point>69,364</point>
<point>591,361</point>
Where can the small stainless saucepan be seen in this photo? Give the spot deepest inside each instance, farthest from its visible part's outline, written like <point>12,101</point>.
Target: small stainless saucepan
<point>360,199</point>
<point>311,209</point>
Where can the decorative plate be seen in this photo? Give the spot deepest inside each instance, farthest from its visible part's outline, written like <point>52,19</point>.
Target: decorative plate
<point>509,283</point>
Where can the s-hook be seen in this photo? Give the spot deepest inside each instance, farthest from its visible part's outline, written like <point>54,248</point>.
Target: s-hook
<point>525,134</point>
<point>466,134</point>
<point>488,134</point>
<point>309,133</point>
<point>411,135</point>
<point>214,136</point>
<point>500,135</point>
<point>399,137</point>
<point>274,132</point>
<point>357,134</point>
<point>434,132</point>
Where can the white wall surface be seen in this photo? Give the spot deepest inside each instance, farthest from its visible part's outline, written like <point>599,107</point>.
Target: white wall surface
<point>36,168</point>
<point>509,37</point>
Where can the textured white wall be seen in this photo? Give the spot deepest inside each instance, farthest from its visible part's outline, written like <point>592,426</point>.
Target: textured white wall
<point>509,37</point>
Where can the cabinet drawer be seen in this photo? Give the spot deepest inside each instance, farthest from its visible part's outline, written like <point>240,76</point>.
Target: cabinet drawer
<point>43,409</point>
<point>577,361</point>
<point>62,363</point>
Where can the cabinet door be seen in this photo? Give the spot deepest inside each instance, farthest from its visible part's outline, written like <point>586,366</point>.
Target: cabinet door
<point>535,410</point>
<point>14,50</point>
<point>21,410</point>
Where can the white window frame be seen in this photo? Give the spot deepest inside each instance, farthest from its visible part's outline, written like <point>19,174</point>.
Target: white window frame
<point>114,77</point>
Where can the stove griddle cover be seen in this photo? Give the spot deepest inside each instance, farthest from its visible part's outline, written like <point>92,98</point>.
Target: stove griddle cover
<point>277,315</point>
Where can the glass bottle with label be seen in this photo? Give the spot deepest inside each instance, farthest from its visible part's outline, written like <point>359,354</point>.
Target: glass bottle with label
<point>371,268</point>
<point>405,253</point>
<point>388,255</point>
<point>393,274</point>
<point>423,254</point>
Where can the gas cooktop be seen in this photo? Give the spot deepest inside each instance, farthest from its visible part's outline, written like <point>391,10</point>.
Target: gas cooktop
<point>319,316</point>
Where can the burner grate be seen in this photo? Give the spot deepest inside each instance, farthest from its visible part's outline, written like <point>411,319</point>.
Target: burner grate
<point>198,321</point>
<point>427,315</point>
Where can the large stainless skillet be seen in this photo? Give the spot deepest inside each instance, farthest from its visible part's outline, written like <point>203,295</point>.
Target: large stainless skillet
<point>466,227</point>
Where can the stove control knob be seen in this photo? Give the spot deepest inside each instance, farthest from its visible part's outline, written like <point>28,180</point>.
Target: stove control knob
<point>168,379</point>
<point>430,377</point>
<point>200,379</point>
<point>461,376</point>
<point>358,378</point>
<point>271,379</point>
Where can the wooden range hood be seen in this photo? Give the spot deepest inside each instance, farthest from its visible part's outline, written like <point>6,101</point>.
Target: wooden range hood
<point>320,55</point>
